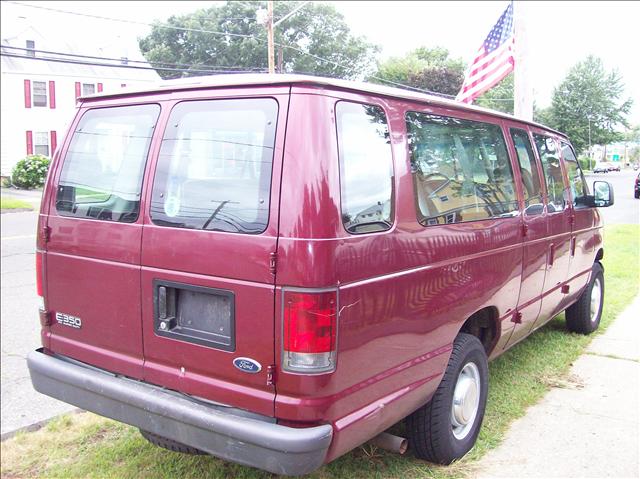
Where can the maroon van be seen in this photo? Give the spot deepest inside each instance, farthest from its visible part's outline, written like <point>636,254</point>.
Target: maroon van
<point>274,269</point>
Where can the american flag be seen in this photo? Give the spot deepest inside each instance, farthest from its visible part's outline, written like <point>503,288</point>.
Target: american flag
<point>494,59</point>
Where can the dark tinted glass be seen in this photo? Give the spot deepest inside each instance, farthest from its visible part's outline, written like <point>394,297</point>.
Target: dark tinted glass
<point>366,168</point>
<point>103,168</point>
<point>214,169</point>
<point>461,170</point>
<point>577,183</point>
<point>531,185</point>
<point>548,153</point>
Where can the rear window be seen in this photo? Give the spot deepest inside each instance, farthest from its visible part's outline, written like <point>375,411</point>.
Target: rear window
<point>461,170</point>
<point>102,173</point>
<point>214,169</point>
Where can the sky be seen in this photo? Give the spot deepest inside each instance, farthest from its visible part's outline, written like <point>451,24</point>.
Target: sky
<point>559,34</point>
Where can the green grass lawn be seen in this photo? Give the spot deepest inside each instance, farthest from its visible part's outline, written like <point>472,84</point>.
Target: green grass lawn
<point>85,445</point>
<point>7,203</point>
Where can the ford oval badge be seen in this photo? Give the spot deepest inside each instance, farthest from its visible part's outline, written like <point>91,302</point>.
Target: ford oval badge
<point>247,365</point>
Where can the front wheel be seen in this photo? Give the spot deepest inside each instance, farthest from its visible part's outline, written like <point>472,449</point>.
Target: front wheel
<point>446,428</point>
<point>584,315</point>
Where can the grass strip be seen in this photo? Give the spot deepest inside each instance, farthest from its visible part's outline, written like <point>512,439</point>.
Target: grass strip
<point>85,445</point>
<point>8,203</point>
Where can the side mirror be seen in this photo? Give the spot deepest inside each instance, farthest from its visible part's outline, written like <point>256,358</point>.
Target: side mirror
<point>603,193</point>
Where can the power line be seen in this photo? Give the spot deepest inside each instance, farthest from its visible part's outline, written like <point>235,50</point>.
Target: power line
<point>240,35</point>
<point>120,60</point>
<point>134,67</point>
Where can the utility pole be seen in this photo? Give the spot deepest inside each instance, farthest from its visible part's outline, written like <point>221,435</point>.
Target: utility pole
<point>522,89</point>
<point>270,36</point>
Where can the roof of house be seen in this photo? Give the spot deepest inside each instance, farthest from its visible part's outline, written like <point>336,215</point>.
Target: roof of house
<point>249,79</point>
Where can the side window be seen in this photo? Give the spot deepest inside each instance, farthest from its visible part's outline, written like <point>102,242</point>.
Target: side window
<point>461,170</point>
<point>39,93</point>
<point>366,168</point>
<point>577,183</point>
<point>102,173</point>
<point>550,159</point>
<point>214,168</point>
<point>531,185</point>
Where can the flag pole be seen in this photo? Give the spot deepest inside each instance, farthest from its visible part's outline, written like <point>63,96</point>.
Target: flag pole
<point>522,87</point>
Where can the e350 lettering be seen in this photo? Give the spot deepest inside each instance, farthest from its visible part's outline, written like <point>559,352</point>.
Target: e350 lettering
<point>68,320</point>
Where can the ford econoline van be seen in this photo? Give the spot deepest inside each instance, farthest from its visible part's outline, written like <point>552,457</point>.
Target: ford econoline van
<point>274,269</point>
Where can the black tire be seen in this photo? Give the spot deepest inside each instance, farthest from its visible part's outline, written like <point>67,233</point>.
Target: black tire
<point>578,315</point>
<point>430,428</point>
<point>169,443</point>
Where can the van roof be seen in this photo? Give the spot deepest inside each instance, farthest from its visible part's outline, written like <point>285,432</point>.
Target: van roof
<point>248,79</point>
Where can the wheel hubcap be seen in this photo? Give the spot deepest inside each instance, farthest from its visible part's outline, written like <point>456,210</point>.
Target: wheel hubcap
<point>596,298</point>
<point>466,399</point>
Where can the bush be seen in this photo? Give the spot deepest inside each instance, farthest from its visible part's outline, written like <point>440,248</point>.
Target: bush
<point>30,172</point>
<point>585,163</point>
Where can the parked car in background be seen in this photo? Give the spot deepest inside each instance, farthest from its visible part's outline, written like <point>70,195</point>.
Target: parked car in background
<point>601,168</point>
<point>274,269</point>
<point>636,189</point>
<point>614,167</point>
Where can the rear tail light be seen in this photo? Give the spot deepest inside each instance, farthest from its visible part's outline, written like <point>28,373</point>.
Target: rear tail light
<point>310,331</point>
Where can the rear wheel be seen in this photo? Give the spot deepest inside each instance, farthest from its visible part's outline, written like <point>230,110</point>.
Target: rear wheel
<point>446,428</point>
<point>584,315</point>
<point>170,444</point>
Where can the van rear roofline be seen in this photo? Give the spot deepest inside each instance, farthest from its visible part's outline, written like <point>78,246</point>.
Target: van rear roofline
<point>255,79</point>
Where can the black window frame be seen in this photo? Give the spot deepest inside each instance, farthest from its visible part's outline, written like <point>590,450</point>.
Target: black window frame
<point>392,193</point>
<point>154,179</point>
<point>426,221</point>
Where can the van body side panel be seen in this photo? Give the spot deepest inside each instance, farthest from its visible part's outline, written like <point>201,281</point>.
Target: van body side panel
<point>403,293</point>
<point>193,260</point>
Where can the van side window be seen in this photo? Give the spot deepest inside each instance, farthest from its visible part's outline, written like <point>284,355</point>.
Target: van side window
<point>531,185</point>
<point>461,170</point>
<point>550,159</point>
<point>577,183</point>
<point>366,168</point>
<point>214,168</point>
<point>102,173</point>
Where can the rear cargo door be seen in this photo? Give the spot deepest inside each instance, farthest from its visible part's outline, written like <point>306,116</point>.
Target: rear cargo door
<point>95,233</point>
<point>208,247</point>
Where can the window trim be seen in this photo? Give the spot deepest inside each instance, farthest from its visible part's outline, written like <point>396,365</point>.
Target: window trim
<point>393,195</point>
<point>497,124</point>
<point>33,94</point>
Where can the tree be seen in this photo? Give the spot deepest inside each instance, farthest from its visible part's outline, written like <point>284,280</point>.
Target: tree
<point>500,97</point>
<point>316,39</point>
<point>588,103</point>
<point>424,68</point>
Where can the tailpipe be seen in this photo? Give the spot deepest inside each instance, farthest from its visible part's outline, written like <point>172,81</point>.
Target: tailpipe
<point>392,443</point>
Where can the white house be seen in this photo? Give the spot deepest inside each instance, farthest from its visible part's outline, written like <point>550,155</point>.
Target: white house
<point>39,90</point>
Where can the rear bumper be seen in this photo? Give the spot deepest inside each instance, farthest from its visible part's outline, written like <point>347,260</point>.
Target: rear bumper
<point>221,431</point>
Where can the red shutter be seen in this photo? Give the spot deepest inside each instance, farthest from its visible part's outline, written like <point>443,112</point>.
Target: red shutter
<point>78,90</point>
<point>29,143</point>
<point>99,87</point>
<point>52,94</point>
<point>27,94</point>
<point>54,142</point>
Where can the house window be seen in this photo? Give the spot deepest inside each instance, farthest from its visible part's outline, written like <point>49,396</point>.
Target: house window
<point>39,93</point>
<point>41,143</point>
<point>88,89</point>
<point>31,47</point>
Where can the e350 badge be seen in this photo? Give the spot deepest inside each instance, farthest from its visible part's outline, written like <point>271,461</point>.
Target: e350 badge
<point>68,320</point>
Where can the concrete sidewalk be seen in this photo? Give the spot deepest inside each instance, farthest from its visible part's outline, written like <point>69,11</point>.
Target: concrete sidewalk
<point>590,426</point>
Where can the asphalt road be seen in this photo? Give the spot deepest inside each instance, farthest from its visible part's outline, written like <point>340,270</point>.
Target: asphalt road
<point>21,406</point>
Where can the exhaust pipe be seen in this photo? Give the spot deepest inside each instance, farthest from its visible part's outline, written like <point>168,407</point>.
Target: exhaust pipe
<point>392,443</point>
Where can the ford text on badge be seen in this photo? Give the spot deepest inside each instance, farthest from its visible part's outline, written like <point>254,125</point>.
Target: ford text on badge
<point>68,320</point>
